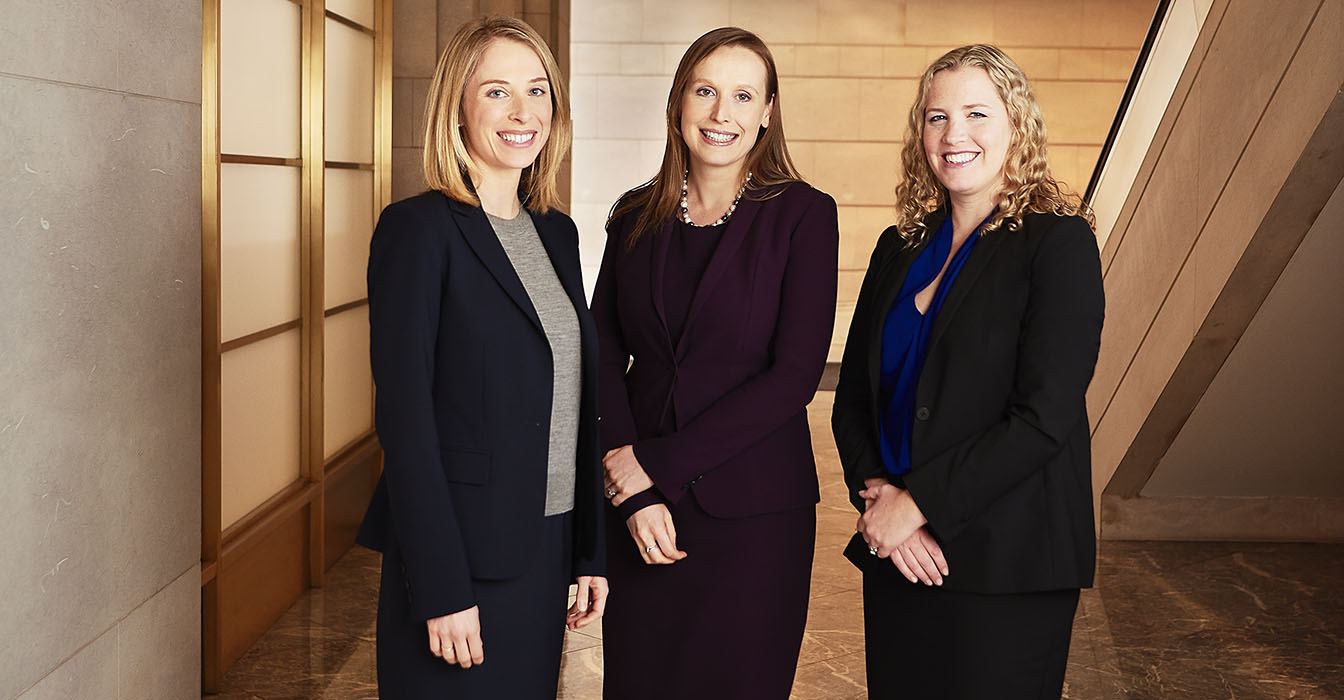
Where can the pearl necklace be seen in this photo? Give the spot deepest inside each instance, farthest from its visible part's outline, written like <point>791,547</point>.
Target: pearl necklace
<point>686,214</point>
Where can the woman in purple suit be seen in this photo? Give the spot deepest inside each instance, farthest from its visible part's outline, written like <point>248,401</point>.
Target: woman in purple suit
<point>714,309</point>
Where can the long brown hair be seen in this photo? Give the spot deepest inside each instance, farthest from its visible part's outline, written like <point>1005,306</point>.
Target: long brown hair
<point>1028,185</point>
<point>447,162</point>
<point>769,161</point>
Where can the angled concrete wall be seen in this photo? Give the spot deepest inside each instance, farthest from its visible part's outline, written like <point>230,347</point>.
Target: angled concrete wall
<point>1249,152</point>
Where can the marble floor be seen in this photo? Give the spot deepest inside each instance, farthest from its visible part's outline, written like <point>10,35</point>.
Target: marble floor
<point>1165,620</point>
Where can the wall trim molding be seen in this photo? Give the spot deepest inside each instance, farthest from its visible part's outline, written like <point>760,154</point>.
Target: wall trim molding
<point>1223,518</point>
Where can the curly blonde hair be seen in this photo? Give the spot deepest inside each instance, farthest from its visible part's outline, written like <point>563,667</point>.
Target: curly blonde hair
<point>1028,185</point>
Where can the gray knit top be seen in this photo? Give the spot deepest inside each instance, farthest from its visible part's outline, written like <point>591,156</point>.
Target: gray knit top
<point>561,325</point>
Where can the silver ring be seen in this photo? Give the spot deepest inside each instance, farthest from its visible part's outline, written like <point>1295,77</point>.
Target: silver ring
<point>872,549</point>
<point>650,548</point>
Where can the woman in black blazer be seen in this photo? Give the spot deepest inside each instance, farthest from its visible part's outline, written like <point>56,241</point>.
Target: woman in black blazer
<point>959,413</point>
<point>484,358</point>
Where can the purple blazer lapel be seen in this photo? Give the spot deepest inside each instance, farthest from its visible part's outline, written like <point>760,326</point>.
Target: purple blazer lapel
<point>733,237</point>
<point>657,267</point>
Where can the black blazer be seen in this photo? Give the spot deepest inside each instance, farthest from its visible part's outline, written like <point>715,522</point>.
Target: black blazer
<point>463,373</point>
<point>1000,446</point>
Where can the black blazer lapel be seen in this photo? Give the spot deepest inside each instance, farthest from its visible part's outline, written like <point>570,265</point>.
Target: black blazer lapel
<point>733,237</point>
<point>481,237</point>
<point>890,278</point>
<point>965,281</point>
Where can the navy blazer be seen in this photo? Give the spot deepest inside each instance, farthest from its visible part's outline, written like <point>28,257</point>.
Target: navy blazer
<point>1000,449</point>
<point>463,373</point>
<point>722,411</point>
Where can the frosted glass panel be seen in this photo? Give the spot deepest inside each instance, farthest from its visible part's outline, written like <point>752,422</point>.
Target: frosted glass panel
<point>259,247</point>
<point>358,10</point>
<point>349,224</point>
<point>349,94</point>
<point>347,380</point>
<point>259,70</point>
<point>259,423</point>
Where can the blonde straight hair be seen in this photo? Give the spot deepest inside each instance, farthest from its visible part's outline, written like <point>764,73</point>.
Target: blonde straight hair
<point>1028,185</point>
<point>447,163</point>
<point>769,161</point>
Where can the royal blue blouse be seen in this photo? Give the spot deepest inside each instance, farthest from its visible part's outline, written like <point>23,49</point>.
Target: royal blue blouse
<point>905,335</point>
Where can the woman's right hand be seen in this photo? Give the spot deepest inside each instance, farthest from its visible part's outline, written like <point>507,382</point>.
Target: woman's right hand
<point>921,559</point>
<point>655,535</point>
<point>456,637</point>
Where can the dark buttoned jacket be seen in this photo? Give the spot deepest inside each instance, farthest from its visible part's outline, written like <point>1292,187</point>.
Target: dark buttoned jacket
<point>463,373</point>
<point>1000,450</point>
<point>721,410</point>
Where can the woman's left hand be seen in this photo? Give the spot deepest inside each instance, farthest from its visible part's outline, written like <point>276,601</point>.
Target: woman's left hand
<point>589,602</point>
<point>624,475</point>
<point>890,518</point>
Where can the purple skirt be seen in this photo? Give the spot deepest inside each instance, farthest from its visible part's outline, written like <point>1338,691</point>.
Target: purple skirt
<point>725,622</point>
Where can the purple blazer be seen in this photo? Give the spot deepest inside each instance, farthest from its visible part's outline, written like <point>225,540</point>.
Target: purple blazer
<point>722,411</point>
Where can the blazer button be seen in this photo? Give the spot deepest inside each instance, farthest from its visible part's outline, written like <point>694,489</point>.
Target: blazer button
<point>922,413</point>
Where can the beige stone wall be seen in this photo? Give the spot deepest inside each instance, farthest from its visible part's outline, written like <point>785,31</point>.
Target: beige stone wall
<point>848,70</point>
<point>100,350</point>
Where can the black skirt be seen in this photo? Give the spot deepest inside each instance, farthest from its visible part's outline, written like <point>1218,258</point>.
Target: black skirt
<point>725,622</point>
<point>522,631</point>
<point>927,642</point>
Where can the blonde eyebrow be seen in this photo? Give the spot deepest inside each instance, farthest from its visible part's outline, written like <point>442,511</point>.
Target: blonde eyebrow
<point>500,81</point>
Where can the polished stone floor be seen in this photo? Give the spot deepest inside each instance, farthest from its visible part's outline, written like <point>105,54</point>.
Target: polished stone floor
<point>1166,620</point>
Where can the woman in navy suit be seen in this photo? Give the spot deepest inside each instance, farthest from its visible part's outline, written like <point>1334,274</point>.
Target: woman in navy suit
<point>959,413</point>
<point>484,357</point>
<point>719,282</point>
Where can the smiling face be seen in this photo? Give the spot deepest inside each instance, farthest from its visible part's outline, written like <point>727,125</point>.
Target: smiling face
<point>506,109</point>
<point>724,107</point>
<point>967,133</point>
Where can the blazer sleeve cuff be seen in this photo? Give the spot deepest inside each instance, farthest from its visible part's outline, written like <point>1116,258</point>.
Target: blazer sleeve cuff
<point>431,604</point>
<point>638,502</point>
<point>658,464</point>
<point>943,519</point>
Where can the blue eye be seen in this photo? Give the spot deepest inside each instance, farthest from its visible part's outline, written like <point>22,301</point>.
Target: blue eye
<point>979,114</point>
<point>936,117</point>
<point>537,92</point>
<point>494,92</point>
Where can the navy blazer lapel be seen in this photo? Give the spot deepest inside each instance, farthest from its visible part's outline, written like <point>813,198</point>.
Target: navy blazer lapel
<point>961,286</point>
<point>734,235</point>
<point>480,235</point>
<point>568,271</point>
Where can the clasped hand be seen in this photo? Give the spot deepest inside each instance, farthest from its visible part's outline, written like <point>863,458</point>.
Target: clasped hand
<point>624,475</point>
<point>893,523</point>
<point>651,527</point>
